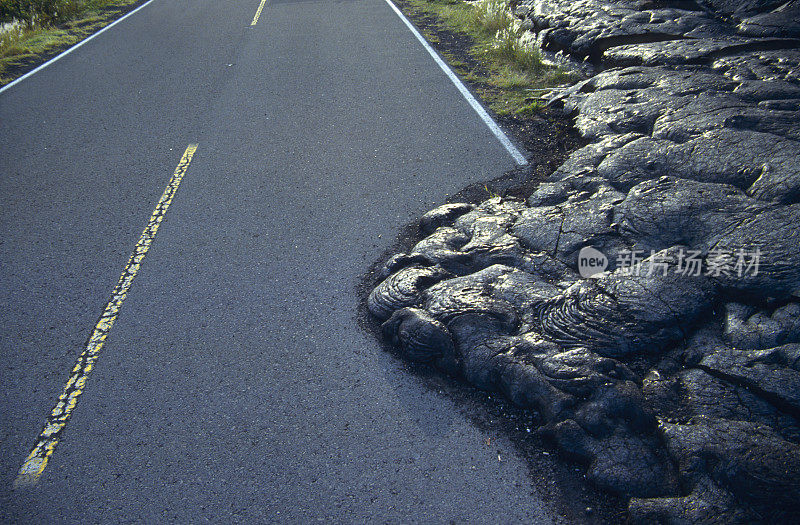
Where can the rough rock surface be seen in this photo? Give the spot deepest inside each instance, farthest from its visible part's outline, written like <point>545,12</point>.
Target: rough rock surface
<point>674,375</point>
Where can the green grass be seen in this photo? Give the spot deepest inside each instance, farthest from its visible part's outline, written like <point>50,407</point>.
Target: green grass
<point>485,17</point>
<point>509,50</point>
<point>511,79</point>
<point>517,75</point>
<point>33,39</point>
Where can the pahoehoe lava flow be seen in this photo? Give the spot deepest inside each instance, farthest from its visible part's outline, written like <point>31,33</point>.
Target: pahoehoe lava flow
<point>675,377</point>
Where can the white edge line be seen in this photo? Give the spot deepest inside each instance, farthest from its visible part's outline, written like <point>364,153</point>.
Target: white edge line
<point>73,48</point>
<point>479,109</point>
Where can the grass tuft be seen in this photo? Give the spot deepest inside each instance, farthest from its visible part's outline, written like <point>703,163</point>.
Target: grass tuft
<point>491,16</point>
<point>517,75</point>
<point>508,48</point>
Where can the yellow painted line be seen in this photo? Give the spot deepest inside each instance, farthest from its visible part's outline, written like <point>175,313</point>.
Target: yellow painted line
<point>34,464</point>
<point>258,13</point>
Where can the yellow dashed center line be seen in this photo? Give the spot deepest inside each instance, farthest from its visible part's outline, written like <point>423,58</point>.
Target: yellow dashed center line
<point>258,13</point>
<point>46,443</point>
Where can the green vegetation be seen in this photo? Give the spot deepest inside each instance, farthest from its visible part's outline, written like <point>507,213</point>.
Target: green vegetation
<point>516,75</point>
<point>39,12</point>
<point>42,27</point>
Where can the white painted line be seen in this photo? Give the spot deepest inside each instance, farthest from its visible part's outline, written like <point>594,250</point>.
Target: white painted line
<point>73,48</point>
<point>479,109</point>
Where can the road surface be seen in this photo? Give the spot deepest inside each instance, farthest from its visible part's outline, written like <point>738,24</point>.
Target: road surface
<point>235,385</point>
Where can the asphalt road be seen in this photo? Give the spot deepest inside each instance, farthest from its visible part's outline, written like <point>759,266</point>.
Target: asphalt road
<point>236,384</point>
